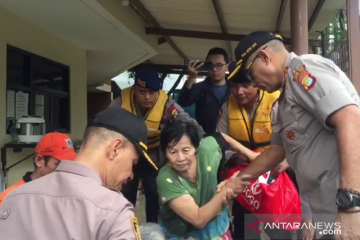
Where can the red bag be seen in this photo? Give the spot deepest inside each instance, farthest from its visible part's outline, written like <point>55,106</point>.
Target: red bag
<point>277,203</point>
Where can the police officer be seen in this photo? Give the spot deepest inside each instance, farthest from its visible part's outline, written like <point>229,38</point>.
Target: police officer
<point>316,127</point>
<point>246,118</point>
<point>146,100</point>
<point>80,199</point>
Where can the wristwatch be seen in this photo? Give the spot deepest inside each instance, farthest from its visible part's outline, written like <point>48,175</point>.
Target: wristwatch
<point>346,200</point>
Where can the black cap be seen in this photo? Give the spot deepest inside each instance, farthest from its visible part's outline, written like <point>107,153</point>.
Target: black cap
<point>238,78</point>
<point>250,44</point>
<point>124,122</point>
<point>148,78</point>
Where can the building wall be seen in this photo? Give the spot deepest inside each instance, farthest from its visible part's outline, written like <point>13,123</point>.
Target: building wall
<point>24,35</point>
<point>97,102</point>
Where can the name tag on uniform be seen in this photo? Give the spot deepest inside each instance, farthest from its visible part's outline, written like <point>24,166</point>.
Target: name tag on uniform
<point>135,227</point>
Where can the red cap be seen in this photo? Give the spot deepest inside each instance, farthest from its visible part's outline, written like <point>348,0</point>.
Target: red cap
<point>57,145</point>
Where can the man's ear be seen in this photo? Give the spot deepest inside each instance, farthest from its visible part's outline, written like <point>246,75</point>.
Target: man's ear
<point>263,55</point>
<point>39,160</point>
<point>115,147</point>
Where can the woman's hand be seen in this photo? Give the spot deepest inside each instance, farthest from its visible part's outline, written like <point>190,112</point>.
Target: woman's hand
<point>220,185</point>
<point>228,193</point>
<point>237,183</point>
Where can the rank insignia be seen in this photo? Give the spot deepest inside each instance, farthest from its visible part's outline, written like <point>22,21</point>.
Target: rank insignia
<point>290,135</point>
<point>286,71</point>
<point>141,83</point>
<point>135,227</point>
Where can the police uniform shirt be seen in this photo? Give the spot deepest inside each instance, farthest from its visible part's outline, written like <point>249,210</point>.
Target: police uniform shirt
<point>314,88</point>
<point>70,203</point>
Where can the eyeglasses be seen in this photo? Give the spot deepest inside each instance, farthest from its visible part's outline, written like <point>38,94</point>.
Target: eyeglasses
<point>218,66</point>
<point>247,70</point>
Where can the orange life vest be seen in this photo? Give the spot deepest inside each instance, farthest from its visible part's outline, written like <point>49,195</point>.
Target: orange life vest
<point>10,189</point>
<point>253,133</point>
<point>152,119</point>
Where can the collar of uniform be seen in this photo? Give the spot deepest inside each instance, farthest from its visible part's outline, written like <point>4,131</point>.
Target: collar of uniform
<point>78,169</point>
<point>287,63</point>
<point>27,177</point>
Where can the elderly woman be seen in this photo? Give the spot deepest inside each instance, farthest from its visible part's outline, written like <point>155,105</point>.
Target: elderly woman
<point>190,205</point>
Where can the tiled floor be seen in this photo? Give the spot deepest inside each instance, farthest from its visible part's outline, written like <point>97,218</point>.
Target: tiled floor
<point>140,209</point>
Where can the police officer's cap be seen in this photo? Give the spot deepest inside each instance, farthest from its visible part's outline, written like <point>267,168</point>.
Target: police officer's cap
<point>117,119</point>
<point>239,77</point>
<point>147,78</point>
<point>250,44</point>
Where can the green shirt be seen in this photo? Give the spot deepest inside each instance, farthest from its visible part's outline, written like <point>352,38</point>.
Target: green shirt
<point>171,185</point>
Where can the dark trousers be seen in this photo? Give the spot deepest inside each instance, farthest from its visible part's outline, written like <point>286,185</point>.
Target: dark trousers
<point>327,237</point>
<point>239,212</point>
<point>147,174</point>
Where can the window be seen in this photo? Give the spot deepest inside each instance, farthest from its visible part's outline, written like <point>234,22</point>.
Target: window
<point>39,87</point>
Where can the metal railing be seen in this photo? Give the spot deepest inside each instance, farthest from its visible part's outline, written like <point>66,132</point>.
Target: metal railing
<point>334,39</point>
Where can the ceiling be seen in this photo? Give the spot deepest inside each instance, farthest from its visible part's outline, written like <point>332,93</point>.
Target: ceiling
<point>239,17</point>
<point>111,46</point>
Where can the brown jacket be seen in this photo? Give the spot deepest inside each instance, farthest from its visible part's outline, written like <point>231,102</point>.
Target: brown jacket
<point>70,203</point>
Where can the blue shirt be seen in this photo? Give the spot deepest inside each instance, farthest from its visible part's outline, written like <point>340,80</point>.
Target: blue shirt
<point>219,91</point>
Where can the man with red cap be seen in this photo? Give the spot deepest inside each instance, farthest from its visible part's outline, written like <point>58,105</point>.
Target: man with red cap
<point>51,149</point>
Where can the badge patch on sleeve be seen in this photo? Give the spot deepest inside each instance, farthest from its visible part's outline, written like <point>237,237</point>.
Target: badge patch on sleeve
<point>304,78</point>
<point>308,82</point>
<point>135,227</point>
<point>300,74</point>
<point>290,135</point>
<point>173,111</point>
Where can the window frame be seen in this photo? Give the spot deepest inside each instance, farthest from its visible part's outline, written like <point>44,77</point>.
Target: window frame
<point>35,90</point>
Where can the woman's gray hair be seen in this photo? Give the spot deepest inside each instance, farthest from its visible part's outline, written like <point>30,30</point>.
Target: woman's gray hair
<point>151,231</point>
